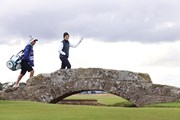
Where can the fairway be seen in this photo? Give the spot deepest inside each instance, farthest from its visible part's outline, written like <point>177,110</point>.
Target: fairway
<point>24,110</point>
<point>106,99</point>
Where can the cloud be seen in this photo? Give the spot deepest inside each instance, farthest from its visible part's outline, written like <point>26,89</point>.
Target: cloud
<point>108,20</point>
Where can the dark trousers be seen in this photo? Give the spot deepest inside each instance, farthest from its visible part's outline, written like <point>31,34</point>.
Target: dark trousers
<point>65,63</point>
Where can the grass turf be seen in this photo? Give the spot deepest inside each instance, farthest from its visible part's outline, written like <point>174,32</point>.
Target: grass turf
<point>106,99</point>
<point>24,110</point>
<point>17,110</point>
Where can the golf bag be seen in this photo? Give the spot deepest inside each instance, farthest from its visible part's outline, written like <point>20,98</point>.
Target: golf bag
<point>15,61</point>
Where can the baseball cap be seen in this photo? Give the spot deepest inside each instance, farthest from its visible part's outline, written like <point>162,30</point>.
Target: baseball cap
<point>33,39</point>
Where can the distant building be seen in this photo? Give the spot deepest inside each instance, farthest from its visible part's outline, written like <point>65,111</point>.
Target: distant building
<point>93,92</point>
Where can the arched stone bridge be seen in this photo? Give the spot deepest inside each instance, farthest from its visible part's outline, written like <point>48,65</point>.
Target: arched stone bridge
<point>135,87</point>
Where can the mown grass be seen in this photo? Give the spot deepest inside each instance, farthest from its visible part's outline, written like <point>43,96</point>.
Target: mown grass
<point>166,105</point>
<point>18,110</point>
<point>25,110</point>
<point>106,99</point>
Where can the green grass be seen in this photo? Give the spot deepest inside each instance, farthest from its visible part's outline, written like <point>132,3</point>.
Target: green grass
<point>17,110</point>
<point>25,110</point>
<point>166,105</point>
<point>106,99</point>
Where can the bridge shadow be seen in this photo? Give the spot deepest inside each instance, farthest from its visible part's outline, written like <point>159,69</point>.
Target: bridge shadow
<point>97,98</point>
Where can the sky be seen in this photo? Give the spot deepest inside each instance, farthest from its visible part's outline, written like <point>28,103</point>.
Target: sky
<point>139,36</point>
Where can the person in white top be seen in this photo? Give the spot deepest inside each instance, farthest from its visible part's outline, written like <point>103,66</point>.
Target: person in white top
<point>64,51</point>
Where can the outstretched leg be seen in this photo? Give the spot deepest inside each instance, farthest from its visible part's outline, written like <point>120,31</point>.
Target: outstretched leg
<point>18,79</point>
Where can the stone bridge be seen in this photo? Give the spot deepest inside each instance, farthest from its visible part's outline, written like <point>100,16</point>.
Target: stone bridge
<point>134,87</point>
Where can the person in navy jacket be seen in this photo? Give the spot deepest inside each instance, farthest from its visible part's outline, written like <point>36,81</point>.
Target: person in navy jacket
<point>27,62</point>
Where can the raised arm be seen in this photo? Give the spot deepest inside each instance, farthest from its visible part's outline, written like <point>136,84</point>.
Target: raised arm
<point>74,46</point>
<point>60,49</point>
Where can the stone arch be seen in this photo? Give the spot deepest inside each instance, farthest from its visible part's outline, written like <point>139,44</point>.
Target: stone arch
<point>134,87</point>
<point>67,82</point>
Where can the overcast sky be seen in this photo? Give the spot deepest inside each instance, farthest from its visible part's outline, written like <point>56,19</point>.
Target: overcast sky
<point>134,35</point>
<point>107,20</point>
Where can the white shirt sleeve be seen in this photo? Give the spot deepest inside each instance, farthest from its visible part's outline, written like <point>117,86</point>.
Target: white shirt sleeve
<point>74,46</point>
<point>60,49</point>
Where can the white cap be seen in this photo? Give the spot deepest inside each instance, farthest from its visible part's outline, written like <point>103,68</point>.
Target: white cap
<point>33,39</point>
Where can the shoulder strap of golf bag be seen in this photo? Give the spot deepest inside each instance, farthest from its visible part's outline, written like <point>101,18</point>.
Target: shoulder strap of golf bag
<point>20,52</point>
